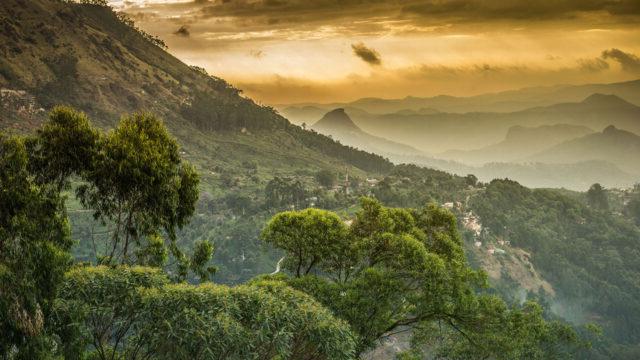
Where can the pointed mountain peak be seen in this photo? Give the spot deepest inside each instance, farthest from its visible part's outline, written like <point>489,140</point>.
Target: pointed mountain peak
<point>336,119</point>
<point>619,135</point>
<point>605,100</point>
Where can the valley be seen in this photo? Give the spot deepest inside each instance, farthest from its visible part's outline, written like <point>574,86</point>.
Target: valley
<point>446,219</point>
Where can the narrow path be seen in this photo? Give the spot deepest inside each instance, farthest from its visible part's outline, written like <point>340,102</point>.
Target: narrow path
<point>278,266</point>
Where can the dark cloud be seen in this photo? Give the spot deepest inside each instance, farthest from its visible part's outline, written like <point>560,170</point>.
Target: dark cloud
<point>183,31</point>
<point>368,55</point>
<point>629,62</point>
<point>519,10</point>
<point>463,10</point>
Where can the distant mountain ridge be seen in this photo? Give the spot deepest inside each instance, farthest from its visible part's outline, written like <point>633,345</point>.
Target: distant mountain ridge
<point>616,146</point>
<point>505,101</point>
<point>335,120</point>
<point>519,142</point>
<point>439,132</point>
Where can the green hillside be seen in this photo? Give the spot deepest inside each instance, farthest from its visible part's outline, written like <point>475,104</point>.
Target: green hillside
<point>589,255</point>
<point>374,266</point>
<point>87,56</point>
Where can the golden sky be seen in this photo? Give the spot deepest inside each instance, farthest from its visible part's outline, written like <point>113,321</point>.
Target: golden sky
<point>291,51</point>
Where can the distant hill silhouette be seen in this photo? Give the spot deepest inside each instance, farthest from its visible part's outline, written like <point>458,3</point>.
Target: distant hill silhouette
<point>519,142</point>
<point>339,126</point>
<point>505,101</point>
<point>614,145</point>
<point>439,132</point>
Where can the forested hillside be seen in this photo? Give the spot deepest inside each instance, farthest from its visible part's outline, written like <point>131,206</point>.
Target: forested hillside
<point>588,253</point>
<point>163,215</point>
<point>96,60</point>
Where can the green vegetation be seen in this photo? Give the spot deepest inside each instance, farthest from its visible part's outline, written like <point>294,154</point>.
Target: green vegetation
<point>397,270</point>
<point>391,270</point>
<point>632,208</point>
<point>326,178</point>
<point>136,313</point>
<point>139,194</point>
<point>587,253</point>
<point>597,197</point>
<point>34,252</point>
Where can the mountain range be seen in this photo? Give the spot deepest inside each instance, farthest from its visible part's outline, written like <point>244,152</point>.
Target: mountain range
<point>439,132</point>
<point>519,143</point>
<point>560,155</point>
<point>506,101</point>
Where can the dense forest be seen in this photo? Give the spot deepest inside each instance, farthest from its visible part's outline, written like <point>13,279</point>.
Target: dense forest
<point>343,287</point>
<point>585,249</point>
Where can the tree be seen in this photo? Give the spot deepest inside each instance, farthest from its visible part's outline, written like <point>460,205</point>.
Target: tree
<point>313,237</point>
<point>633,209</point>
<point>133,179</point>
<point>66,145</point>
<point>471,180</point>
<point>281,192</point>
<point>326,178</point>
<point>393,270</point>
<point>34,245</point>
<point>597,197</point>
<point>499,332</point>
<point>98,308</point>
<point>134,313</point>
<point>139,183</point>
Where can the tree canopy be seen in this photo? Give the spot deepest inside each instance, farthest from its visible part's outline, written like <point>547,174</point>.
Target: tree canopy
<point>396,270</point>
<point>34,244</point>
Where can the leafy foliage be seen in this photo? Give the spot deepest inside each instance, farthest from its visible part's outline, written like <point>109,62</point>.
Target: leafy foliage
<point>133,313</point>
<point>589,255</point>
<point>34,245</point>
<point>138,182</point>
<point>597,197</point>
<point>396,270</point>
<point>326,178</point>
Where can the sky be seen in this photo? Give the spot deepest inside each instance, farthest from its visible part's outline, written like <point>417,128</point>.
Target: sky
<point>297,51</point>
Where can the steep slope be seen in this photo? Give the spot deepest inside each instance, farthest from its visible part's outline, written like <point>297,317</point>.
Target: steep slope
<point>91,58</point>
<point>336,121</point>
<point>588,256</point>
<point>339,126</point>
<point>519,142</point>
<point>616,146</point>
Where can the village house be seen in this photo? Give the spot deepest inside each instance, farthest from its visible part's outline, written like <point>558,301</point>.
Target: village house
<point>472,223</point>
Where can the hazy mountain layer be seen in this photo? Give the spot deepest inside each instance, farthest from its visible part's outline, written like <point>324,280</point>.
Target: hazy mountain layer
<point>574,175</point>
<point>506,101</point>
<point>440,132</point>
<point>616,146</point>
<point>519,142</point>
